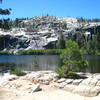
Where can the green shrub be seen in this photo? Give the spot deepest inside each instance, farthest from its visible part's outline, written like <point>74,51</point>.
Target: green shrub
<point>18,71</point>
<point>72,61</point>
<point>63,72</point>
<point>73,75</point>
<point>5,53</point>
<point>41,52</point>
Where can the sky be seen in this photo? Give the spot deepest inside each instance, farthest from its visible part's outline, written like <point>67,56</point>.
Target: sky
<point>59,8</point>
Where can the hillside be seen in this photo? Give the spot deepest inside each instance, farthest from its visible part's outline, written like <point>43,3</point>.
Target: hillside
<point>44,32</point>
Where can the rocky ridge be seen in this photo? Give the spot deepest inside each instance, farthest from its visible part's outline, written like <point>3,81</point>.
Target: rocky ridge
<point>42,32</point>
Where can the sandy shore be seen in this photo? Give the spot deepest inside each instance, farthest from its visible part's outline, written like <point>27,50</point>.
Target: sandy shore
<point>47,93</point>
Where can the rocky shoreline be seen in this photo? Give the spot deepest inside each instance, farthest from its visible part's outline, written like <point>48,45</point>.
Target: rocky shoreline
<point>33,82</point>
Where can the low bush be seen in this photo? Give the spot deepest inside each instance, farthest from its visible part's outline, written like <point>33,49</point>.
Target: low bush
<point>5,53</point>
<point>63,72</point>
<point>18,71</point>
<point>73,75</point>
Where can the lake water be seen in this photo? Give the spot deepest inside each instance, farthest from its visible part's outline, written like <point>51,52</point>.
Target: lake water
<point>94,63</point>
<point>42,62</point>
<point>29,62</point>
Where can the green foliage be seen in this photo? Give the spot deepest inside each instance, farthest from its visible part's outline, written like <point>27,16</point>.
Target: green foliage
<point>98,40</point>
<point>72,45</point>
<point>93,46</point>
<point>73,75</point>
<point>72,60</point>
<point>89,46</point>
<point>18,71</point>
<point>41,52</point>
<point>5,53</point>
<point>5,11</point>
<point>63,72</point>
<point>61,42</point>
<point>5,24</point>
<point>81,19</point>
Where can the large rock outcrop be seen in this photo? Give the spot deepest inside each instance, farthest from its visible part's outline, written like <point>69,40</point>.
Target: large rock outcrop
<point>42,32</point>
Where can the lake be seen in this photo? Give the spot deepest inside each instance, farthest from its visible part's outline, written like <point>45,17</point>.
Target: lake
<point>42,62</point>
<point>29,62</point>
<point>94,63</point>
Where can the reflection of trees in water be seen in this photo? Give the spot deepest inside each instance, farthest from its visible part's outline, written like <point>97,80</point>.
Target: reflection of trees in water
<point>7,66</point>
<point>35,62</point>
<point>94,63</point>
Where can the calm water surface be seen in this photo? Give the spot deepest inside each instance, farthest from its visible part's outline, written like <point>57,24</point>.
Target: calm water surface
<point>94,63</point>
<point>42,62</point>
<point>30,62</point>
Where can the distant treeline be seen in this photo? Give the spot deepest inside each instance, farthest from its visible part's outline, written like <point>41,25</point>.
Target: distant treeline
<point>5,24</point>
<point>5,53</point>
<point>41,52</point>
<point>20,23</point>
<point>81,19</point>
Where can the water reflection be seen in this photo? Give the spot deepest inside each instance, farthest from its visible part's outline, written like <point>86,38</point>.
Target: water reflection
<point>42,62</point>
<point>94,63</point>
<point>30,62</point>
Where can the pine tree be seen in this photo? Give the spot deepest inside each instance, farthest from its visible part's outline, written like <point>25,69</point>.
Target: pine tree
<point>4,11</point>
<point>61,42</point>
<point>5,23</point>
<point>73,61</point>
